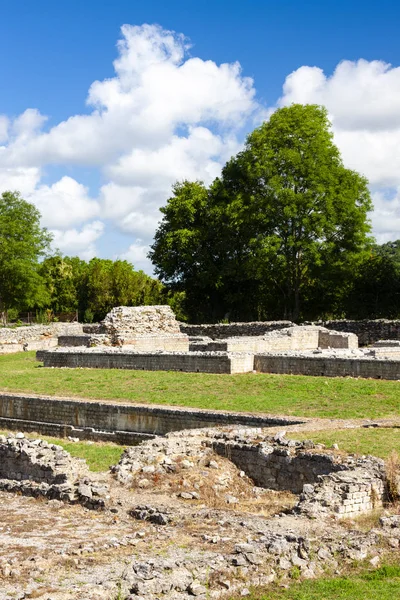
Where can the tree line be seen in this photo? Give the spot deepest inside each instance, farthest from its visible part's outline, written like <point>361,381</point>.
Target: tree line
<point>33,280</point>
<point>284,232</point>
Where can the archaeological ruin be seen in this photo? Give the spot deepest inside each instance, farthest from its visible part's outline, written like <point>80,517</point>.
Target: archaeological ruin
<point>150,338</point>
<point>201,503</point>
<point>196,513</point>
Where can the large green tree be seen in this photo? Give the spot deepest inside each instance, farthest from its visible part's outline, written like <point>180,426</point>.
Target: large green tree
<point>281,230</point>
<point>22,243</point>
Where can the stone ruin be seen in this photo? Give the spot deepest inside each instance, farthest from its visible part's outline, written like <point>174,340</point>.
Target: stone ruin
<point>39,469</point>
<point>150,338</point>
<point>182,546</point>
<point>326,482</point>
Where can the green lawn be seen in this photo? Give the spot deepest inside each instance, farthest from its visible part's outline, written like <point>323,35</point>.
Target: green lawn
<point>277,394</point>
<point>378,442</point>
<point>99,456</point>
<point>381,584</point>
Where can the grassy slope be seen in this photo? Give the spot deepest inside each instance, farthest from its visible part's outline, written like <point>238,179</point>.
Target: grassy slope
<point>99,456</point>
<point>381,584</point>
<point>284,394</point>
<point>378,442</point>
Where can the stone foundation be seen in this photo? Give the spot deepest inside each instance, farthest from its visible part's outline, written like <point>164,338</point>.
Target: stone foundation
<point>108,358</point>
<point>115,421</point>
<point>328,366</point>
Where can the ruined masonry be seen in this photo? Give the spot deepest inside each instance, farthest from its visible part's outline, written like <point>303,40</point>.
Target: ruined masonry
<point>150,338</point>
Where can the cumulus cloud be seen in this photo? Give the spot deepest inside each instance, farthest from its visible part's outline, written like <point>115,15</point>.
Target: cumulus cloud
<point>64,203</point>
<point>363,101</point>
<point>22,179</point>
<point>79,242</point>
<point>165,116</point>
<point>137,255</point>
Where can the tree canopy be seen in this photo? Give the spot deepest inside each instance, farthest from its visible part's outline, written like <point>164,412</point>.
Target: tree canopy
<point>279,234</point>
<point>22,242</point>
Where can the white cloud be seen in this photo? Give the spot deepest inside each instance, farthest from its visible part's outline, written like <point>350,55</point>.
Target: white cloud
<point>137,255</point>
<point>386,217</point>
<point>163,116</point>
<point>4,125</point>
<point>22,179</point>
<point>64,203</point>
<point>79,242</point>
<point>166,116</point>
<point>363,101</point>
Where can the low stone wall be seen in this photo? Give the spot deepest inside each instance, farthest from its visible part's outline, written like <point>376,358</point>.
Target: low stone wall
<point>374,368</point>
<point>328,482</point>
<point>291,338</point>
<point>192,362</point>
<point>218,331</point>
<point>37,468</point>
<point>35,337</point>
<point>149,343</point>
<point>368,331</point>
<point>108,417</point>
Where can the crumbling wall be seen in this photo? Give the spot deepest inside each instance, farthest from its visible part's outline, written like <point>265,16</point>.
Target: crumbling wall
<point>368,331</point>
<point>219,331</point>
<point>37,468</point>
<point>35,337</point>
<point>327,482</point>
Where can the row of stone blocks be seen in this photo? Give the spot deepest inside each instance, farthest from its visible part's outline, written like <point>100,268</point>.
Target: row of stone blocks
<point>223,362</point>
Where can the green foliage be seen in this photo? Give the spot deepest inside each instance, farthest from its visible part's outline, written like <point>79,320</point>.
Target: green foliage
<point>94,288</point>
<point>375,290</point>
<point>284,226</point>
<point>22,242</point>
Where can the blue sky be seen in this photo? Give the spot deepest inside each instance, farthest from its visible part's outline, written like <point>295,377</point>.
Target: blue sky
<point>98,186</point>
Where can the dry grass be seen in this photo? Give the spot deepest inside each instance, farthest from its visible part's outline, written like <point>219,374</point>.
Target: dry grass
<point>214,486</point>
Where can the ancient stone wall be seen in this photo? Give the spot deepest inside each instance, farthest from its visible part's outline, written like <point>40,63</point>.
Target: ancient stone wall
<point>291,338</point>
<point>336,366</point>
<point>37,468</point>
<point>91,418</point>
<point>205,362</point>
<point>35,337</point>
<point>368,331</point>
<point>218,331</point>
<point>327,482</point>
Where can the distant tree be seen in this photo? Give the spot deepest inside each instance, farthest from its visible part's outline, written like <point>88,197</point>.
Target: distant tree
<point>22,243</point>
<point>185,249</point>
<point>58,275</point>
<point>273,237</point>
<point>375,289</point>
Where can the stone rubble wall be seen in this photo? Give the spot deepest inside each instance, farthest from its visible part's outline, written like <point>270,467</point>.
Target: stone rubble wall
<point>328,482</point>
<point>125,323</point>
<point>219,331</point>
<point>35,337</point>
<point>37,468</point>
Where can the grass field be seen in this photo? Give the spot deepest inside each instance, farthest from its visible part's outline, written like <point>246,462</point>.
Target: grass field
<point>99,456</point>
<point>276,394</point>
<point>381,584</point>
<point>378,442</point>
